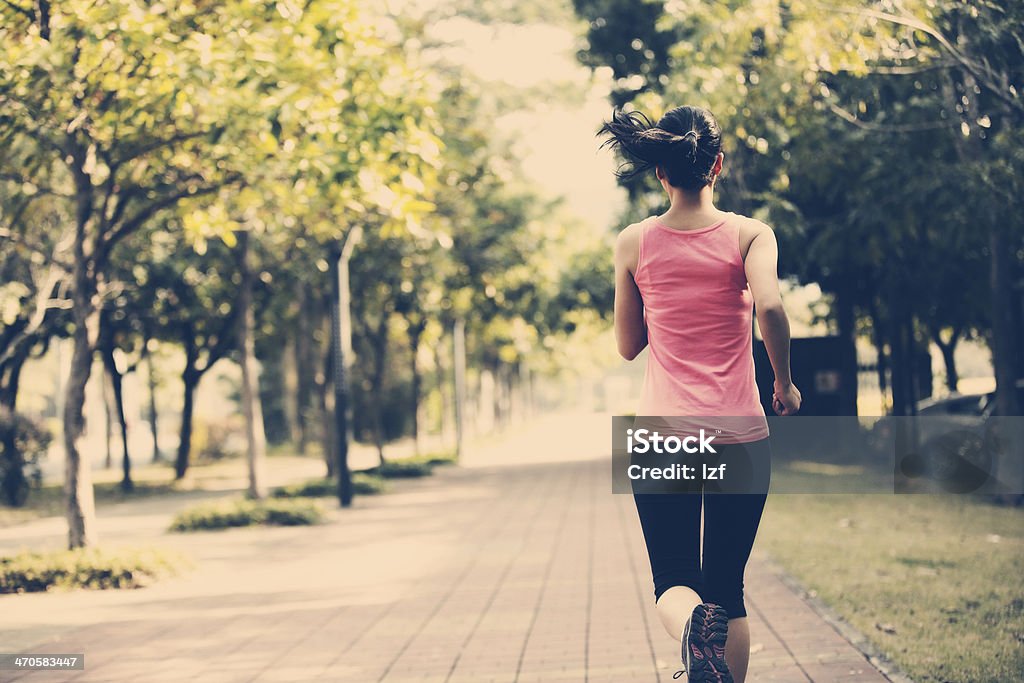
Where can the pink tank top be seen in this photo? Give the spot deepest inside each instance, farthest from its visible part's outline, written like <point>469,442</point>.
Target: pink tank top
<point>698,310</point>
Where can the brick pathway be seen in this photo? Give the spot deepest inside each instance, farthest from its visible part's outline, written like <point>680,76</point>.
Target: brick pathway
<point>511,574</point>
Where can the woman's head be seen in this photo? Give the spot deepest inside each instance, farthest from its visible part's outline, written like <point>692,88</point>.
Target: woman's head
<point>684,144</point>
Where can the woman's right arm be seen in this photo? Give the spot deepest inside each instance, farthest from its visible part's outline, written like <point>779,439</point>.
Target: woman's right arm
<point>630,327</point>
<point>761,265</point>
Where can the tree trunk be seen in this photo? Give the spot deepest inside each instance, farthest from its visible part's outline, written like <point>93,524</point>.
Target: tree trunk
<point>190,380</point>
<point>847,323</point>
<point>901,368</point>
<point>325,402</point>
<point>9,390</point>
<point>881,364</point>
<point>153,422</point>
<point>254,434</point>
<point>377,383</point>
<point>415,333</point>
<point>1004,341</point>
<point>303,369</point>
<point>948,349</point>
<point>446,425</point>
<point>117,384</point>
<point>341,351</point>
<point>108,423</point>
<point>80,506</point>
<point>459,356</point>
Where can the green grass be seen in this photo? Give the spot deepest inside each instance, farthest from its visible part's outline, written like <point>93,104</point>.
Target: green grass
<point>94,568</point>
<point>48,500</point>
<point>244,512</point>
<point>934,582</point>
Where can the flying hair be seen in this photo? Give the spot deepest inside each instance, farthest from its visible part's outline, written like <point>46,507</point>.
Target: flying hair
<point>684,143</point>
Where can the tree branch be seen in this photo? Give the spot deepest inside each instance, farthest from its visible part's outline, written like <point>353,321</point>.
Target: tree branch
<point>154,145</point>
<point>133,223</point>
<point>35,322</point>
<point>849,117</point>
<point>21,10</point>
<point>980,71</point>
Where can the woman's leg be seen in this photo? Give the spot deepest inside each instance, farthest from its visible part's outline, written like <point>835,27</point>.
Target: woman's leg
<point>737,648</point>
<point>675,606</point>
<point>730,526</point>
<point>671,526</point>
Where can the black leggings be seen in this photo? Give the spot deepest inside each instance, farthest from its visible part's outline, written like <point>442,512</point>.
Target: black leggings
<point>671,526</point>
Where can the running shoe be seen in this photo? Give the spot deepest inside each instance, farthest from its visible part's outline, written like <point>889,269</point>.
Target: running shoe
<point>703,645</point>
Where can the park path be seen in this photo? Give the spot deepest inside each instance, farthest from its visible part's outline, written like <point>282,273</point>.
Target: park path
<point>495,571</point>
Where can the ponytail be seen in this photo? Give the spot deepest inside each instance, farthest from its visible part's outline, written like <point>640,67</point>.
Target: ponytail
<point>685,143</point>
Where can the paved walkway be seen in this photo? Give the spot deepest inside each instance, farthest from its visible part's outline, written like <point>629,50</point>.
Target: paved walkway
<point>524,573</point>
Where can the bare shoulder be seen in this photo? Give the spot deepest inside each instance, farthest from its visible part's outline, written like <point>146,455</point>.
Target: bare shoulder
<point>750,229</point>
<point>627,244</point>
<point>631,233</point>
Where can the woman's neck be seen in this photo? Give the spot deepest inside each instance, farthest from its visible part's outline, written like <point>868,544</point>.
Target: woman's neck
<point>684,204</point>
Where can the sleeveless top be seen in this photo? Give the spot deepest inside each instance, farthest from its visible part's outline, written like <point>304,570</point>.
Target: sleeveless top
<point>698,309</point>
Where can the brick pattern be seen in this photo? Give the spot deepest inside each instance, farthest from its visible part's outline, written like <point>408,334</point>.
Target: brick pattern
<point>517,574</point>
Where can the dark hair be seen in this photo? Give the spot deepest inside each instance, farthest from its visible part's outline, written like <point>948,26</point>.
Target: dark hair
<point>684,142</point>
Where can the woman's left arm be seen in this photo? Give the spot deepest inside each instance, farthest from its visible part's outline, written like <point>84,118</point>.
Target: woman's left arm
<point>630,328</point>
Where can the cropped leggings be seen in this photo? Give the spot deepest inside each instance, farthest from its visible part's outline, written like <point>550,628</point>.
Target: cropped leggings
<point>671,526</point>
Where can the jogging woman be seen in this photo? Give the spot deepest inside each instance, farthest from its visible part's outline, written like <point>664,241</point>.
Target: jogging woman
<point>686,283</point>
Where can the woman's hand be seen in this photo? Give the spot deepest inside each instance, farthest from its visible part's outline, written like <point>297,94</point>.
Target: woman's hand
<point>786,399</point>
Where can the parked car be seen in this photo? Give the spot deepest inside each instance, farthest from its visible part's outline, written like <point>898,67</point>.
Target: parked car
<point>960,440</point>
<point>970,405</point>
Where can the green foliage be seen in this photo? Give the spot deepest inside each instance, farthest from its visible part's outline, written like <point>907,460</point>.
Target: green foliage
<point>243,512</point>
<point>364,485</point>
<point>914,103</point>
<point>400,469</point>
<point>94,568</point>
<point>433,459</point>
<point>23,443</point>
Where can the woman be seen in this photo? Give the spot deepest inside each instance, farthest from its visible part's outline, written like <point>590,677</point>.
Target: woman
<point>685,285</point>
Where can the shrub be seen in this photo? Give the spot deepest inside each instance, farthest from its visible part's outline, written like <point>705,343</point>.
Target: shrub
<point>363,485</point>
<point>23,443</point>
<point>92,568</point>
<point>400,469</point>
<point>434,459</point>
<point>242,512</point>
<point>367,485</point>
<point>313,488</point>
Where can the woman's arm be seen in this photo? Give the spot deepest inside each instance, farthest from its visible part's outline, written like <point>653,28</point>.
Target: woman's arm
<point>630,328</point>
<point>761,265</point>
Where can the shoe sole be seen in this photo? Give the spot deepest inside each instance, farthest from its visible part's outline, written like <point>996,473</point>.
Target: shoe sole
<point>705,645</point>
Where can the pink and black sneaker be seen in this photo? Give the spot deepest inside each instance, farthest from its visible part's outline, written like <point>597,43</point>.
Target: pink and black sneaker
<point>703,645</point>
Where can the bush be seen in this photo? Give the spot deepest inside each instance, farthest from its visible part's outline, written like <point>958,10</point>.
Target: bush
<point>433,459</point>
<point>92,568</point>
<point>242,512</point>
<point>367,484</point>
<point>363,485</point>
<point>416,466</point>
<point>313,488</point>
<point>400,469</point>
<point>23,444</point>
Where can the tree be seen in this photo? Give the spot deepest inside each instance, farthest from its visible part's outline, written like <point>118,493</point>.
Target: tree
<point>131,110</point>
<point>870,82</point>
